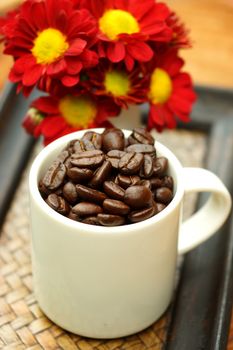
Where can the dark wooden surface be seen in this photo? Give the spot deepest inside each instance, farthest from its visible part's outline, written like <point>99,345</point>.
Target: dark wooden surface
<point>202,309</point>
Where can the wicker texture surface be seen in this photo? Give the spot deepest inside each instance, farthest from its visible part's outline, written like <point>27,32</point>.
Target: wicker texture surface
<point>22,323</point>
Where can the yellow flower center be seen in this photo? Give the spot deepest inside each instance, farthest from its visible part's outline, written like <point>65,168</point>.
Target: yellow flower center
<point>117,83</point>
<point>49,45</point>
<point>115,22</point>
<point>79,112</point>
<point>160,86</point>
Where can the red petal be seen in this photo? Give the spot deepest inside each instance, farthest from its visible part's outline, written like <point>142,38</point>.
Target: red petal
<point>140,51</point>
<point>73,66</point>
<point>70,81</point>
<point>46,104</point>
<point>116,52</point>
<point>89,59</point>
<point>56,67</point>
<point>32,75</point>
<point>76,47</point>
<point>129,62</point>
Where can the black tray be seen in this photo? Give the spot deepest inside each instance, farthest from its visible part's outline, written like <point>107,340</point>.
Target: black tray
<point>202,308</point>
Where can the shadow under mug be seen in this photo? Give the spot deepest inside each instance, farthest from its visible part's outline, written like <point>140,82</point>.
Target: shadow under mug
<point>108,282</point>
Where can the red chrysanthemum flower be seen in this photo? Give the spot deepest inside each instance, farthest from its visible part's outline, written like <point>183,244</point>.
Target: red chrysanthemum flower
<point>180,34</point>
<point>7,24</point>
<point>114,81</point>
<point>126,27</point>
<point>70,113</point>
<point>49,39</point>
<point>170,93</point>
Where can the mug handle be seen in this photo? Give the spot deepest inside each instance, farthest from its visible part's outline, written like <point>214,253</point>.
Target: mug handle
<point>207,220</point>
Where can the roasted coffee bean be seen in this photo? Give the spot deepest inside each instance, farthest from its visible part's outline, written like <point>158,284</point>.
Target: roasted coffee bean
<point>147,166</point>
<point>91,220</point>
<point>55,175</point>
<point>70,193</point>
<point>113,190</point>
<point>141,215</point>
<point>58,203</point>
<point>83,145</point>
<point>141,148</point>
<point>87,209</point>
<point>163,195</point>
<point>90,195</point>
<point>167,181</point>
<point>160,207</point>
<point>140,135</point>
<point>88,159</point>
<point>43,190</point>
<point>94,137</point>
<point>110,220</point>
<point>155,182</point>
<point>113,139</point>
<point>101,174</point>
<point>138,197</point>
<point>78,146</point>
<point>62,157</point>
<point>73,216</point>
<point>130,163</point>
<point>79,175</point>
<point>67,163</point>
<point>114,157</point>
<point>127,181</point>
<point>70,146</point>
<point>160,166</point>
<point>145,183</point>
<point>115,207</point>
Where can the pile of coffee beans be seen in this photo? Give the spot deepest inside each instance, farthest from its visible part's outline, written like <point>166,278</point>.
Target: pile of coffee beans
<point>107,179</point>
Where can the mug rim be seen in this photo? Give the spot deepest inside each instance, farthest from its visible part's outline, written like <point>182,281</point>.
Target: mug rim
<point>102,230</point>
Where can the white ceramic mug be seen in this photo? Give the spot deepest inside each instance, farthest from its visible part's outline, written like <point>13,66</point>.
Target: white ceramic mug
<point>103,282</point>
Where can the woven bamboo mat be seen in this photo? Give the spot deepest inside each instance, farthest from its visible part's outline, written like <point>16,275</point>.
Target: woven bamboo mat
<point>22,323</point>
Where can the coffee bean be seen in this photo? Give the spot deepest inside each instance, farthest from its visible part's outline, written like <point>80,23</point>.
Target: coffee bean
<point>155,182</point>
<point>147,166</point>
<point>100,175</point>
<point>87,209</point>
<point>140,135</point>
<point>145,183</point>
<point>114,157</point>
<point>163,195</point>
<point>115,207</point>
<point>141,148</point>
<point>44,191</point>
<point>91,220</point>
<point>88,159</point>
<point>94,137</point>
<point>138,197</point>
<point>110,220</point>
<point>167,181</point>
<point>55,175</point>
<point>113,139</point>
<point>113,190</point>
<point>83,145</point>
<point>141,215</point>
<point>127,181</point>
<point>160,207</point>
<point>58,204</point>
<point>79,175</point>
<point>78,146</point>
<point>62,157</point>
<point>73,216</point>
<point>130,163</point>
<point>160,166</point>
<point>90,194</point>
<point>70,193</point>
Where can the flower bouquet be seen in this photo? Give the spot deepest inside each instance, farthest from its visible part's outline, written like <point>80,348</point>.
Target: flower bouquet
<point>94,58</point>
